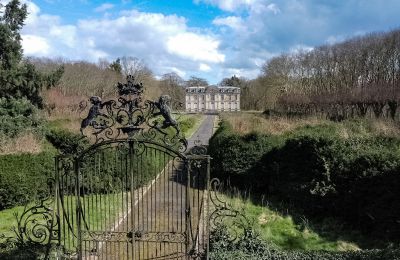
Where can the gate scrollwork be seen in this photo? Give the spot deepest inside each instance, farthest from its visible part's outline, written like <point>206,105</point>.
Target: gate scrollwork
<point>223,213</point>
<point>36,226</point>
<point>132,118</point>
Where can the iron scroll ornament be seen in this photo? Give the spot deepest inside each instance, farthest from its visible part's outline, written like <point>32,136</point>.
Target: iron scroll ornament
<point>223,211</point>
<point>37,227</point>
<point>129,117</point>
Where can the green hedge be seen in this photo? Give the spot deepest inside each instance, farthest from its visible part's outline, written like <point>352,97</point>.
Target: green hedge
<point>355,179</point>
<point>66,142</point>
<point>234,156</point>
<point>23,177</point>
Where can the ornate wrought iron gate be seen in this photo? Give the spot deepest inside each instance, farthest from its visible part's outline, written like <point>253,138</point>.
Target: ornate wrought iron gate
<point>137,192</point>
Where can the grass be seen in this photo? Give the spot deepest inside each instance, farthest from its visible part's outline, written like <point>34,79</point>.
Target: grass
<point>196,119</point>
<point>71,124</point>
<point>255,122</point>
<point>8,219</point>
<point>104,214</point>
<point>282,230</point>
<point>24,143</point>
<point>244,123</point>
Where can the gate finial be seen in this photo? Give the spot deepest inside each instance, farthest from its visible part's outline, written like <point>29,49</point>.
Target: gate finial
<point>130,87</point>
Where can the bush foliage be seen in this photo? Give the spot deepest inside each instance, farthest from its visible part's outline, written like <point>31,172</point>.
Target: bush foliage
<point>23,178</point>
<point>17,116</point>
<point>355,179</point>
<point>66,142</point>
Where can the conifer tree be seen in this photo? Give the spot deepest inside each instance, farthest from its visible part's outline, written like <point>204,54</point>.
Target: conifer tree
<point>18,78</point>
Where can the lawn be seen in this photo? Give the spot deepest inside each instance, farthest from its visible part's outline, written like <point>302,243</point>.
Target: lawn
<point>281,229</point>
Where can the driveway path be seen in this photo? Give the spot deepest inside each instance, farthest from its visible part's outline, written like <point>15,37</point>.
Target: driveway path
<point>204,132</point>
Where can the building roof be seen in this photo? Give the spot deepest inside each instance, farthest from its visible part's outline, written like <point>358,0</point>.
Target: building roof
<point>212,89</point>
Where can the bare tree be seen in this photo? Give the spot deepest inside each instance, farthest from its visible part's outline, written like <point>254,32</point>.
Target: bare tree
<point>173,85</point>
<point>196,81</point>
<point>135,67</point>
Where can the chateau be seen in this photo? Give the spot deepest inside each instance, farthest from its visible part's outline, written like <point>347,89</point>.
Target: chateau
<point>212,99</point>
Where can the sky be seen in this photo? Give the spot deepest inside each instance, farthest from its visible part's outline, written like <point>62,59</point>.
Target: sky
<point>212,39</point>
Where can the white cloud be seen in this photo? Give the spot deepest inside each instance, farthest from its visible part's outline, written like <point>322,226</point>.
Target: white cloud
<point>300,48</point>
<point>230,5</point>
<point>35,45</point>
<point>180,72</point>
<point>233,22</point>
<point>204,67</point>
<point>273,8</point>
<point>195,47</point>
<point>104,7</point>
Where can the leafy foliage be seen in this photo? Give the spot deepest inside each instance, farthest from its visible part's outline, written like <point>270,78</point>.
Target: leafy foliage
<point>16,116</point>
<point>234,155</point>
<point>23,177</point>
<point>353,179</point>
<point>67,142</point>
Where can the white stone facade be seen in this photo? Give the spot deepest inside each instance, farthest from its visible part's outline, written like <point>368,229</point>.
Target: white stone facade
<point>212,99</point>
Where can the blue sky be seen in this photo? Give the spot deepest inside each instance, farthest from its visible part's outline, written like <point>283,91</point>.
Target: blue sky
<point>206,38</point>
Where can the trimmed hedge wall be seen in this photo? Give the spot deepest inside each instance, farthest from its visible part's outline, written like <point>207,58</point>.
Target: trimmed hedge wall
<point>23,177</point>
<point>314,168</point>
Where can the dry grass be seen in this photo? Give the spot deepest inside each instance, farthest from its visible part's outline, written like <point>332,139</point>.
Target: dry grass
<point>60,106</point>
<point>27,143</point>
<point>385,127</point>
<point>254,122</point>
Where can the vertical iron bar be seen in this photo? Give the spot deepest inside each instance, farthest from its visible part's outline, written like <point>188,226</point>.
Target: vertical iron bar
<point>56,199</point>
<point>187,210</point>
<point>143,207</point>
<point>131,154</point>
<point>78,208</point>
<point>163,166</point>
<point>208,208</point>
<point>147,202</point>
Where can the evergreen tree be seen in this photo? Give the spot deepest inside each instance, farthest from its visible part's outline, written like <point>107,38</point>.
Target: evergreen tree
<point>18,78</point>
<point>116,66</point>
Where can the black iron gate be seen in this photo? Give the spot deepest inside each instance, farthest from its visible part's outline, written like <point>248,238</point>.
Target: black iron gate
<point>137,192</point>
<point>133,200</point>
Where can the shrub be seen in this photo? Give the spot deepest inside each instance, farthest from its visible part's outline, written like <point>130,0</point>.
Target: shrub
<point>354,179</point>
<point>234,155</point>
<point>16,116</point>
<point>23,178</point>
<point>67,142</point>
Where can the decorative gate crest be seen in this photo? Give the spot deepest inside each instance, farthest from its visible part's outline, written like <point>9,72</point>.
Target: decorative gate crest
<point>129,117</point>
